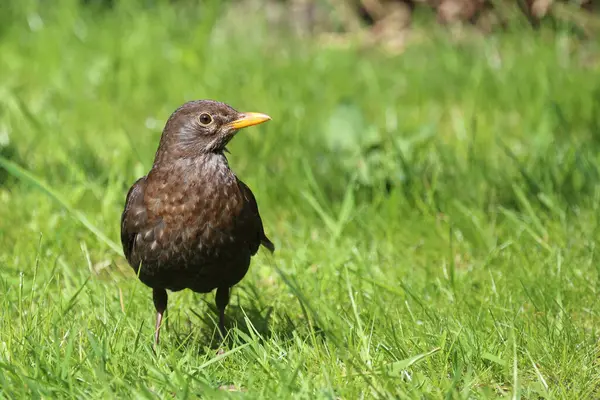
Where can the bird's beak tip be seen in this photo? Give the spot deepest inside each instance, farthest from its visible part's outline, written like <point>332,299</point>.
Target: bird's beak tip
<point>248,119</point>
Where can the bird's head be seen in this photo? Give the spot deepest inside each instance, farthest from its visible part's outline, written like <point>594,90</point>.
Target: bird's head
<point>204,126</point>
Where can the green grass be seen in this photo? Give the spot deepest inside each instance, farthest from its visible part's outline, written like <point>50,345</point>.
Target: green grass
<point>435,213</point>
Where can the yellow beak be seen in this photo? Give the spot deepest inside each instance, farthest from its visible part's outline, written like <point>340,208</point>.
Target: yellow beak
<point>249,119</point>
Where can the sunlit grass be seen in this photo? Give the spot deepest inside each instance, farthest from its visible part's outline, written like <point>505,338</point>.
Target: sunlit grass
<point>435,213</point>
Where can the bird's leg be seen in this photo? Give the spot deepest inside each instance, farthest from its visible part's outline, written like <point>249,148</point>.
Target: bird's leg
<point>222,299</point>
<point>160,302</point>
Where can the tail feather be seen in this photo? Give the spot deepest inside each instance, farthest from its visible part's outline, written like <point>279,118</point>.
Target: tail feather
<point>267,243</point>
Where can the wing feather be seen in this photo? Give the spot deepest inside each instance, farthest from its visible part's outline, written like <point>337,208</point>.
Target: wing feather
<point>133,219</point>
<point>258,235</point>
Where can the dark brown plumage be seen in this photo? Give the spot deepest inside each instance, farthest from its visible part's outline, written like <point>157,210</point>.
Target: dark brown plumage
<point>191,223</point>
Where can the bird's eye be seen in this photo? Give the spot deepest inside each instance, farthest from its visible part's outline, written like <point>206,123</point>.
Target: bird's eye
<point>205,119</point>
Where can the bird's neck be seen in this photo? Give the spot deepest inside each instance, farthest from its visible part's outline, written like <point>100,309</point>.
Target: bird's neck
<point>212,167</point>
<point>213,163</point>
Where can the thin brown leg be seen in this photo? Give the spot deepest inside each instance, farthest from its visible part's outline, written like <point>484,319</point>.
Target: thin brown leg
<point>160,302</point>
<point>222,299</point>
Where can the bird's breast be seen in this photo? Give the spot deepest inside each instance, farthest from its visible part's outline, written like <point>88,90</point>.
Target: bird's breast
<point>197,212</point>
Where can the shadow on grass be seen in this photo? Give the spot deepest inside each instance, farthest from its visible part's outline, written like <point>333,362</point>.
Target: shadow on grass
<point>254,319</point>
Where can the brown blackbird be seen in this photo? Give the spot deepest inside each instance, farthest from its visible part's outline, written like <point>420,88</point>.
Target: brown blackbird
<point>191,223</point>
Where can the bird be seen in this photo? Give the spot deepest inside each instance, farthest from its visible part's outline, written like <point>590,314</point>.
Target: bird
<point>191,223</point>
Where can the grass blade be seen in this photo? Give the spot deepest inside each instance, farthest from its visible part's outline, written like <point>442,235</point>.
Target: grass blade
<point>27,177</point>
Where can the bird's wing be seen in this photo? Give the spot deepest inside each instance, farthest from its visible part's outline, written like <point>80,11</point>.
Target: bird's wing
<point>258,234</point>
<point>133,219</point>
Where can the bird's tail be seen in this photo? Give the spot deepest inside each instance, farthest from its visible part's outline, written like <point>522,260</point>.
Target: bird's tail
<point>267,243</point>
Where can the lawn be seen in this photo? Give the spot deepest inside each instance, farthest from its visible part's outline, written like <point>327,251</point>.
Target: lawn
<point>435,212</point>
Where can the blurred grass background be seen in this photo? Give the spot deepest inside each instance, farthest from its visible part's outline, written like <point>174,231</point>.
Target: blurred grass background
<point>434,205</point>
